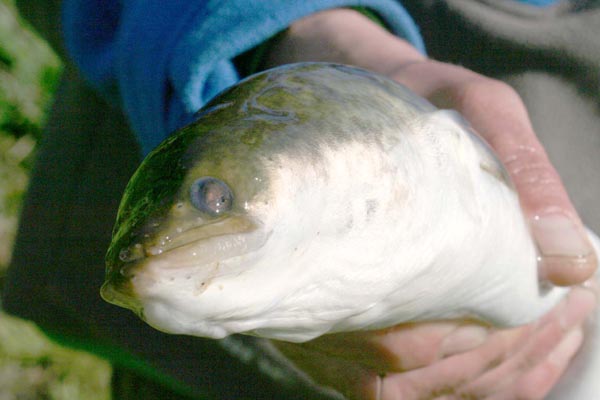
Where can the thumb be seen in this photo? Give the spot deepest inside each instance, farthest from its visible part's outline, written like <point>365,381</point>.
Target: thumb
<point>497,113</point>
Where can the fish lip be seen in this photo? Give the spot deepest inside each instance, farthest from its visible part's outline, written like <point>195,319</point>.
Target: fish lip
<point>231,224</point>
<point>119,288</point>
<point>250,234</point>
<point>121,293</point>
<point>174,239</point>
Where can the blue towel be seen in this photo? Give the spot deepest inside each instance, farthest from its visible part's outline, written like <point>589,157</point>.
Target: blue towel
<point>540,3</point>
<point>162,60</point>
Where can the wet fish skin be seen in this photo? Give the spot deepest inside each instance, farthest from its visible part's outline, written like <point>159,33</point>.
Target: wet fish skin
<point>357,205</point>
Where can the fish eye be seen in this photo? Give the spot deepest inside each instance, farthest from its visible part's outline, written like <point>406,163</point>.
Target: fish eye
<point>211,196</point>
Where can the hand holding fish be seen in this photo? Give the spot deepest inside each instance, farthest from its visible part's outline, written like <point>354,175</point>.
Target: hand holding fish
<point>449,359</point>
<point>492,107</point>
<point>567,258</point>
<point>258,219</point>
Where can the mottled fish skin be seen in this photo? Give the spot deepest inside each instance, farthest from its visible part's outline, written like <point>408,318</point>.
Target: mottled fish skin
<point>238,125</point>
<point>356,205</point>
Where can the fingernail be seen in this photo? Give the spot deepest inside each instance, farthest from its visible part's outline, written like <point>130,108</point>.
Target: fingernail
<point>565,254</point>
<point>558,236</point>
<point>561,355</point>
<point>463,339</point>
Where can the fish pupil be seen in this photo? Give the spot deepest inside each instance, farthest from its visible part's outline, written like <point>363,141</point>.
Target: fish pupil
<point>211,196</point>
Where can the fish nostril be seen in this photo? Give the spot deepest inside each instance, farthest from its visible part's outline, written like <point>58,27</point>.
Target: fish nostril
<point>132,253</point>
<point>126,272</point>
<point>124,254</point>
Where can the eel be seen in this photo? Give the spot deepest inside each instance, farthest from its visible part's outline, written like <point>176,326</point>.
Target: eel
<point>316,198</point>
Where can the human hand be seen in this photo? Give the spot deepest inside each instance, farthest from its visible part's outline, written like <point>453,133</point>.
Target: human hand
<point>523,362</point>
<point>448,359</point>
<point>497,113</point>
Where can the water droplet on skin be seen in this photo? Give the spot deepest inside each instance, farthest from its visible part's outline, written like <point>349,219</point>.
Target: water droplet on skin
<point>154,251</point>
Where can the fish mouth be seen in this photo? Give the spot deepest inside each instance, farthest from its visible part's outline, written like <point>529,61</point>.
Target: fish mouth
<point>138,267</point>
<point>120,293</point>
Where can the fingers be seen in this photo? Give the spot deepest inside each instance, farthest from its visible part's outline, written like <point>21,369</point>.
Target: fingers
<point>537,383</point>
<point>534,366</point>
<point>358,376</point>
<point>403,347</point>
<point>523,363</point>
<point>452,359</point>
<point>448,376</point>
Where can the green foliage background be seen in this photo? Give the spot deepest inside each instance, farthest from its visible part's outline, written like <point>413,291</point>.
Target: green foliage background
<point>31,367</point>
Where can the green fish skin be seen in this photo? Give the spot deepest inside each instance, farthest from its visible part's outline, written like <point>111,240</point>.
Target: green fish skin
<point>316,198</point>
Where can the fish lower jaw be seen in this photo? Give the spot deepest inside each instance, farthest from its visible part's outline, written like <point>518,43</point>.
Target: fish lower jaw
<point>206,251</point>
<point>121,297</point>
<point>190,268</point>
<point>281,298</point>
